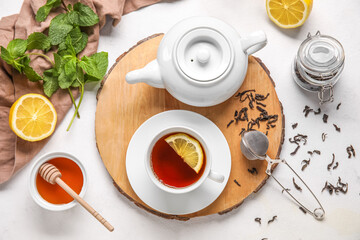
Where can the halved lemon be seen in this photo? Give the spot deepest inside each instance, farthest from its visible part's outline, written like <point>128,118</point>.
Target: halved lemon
<point>188,148</point>
<point>32,117</point>
<point>288,13</point>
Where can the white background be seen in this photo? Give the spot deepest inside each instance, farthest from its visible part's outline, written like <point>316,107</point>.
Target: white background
<point>22,218</point>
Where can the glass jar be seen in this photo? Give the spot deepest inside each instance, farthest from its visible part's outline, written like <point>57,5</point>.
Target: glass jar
<point>318,65</point>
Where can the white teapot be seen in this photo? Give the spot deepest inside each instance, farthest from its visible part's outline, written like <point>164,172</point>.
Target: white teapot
<point>201,61</point>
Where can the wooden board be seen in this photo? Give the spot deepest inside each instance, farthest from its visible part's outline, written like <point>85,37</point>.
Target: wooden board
<point>122,108</point>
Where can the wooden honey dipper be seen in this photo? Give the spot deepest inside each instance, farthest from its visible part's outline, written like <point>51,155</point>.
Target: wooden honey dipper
<point>52,175</point>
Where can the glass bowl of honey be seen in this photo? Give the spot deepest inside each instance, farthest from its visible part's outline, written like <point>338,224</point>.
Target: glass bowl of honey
<point>51,196</point>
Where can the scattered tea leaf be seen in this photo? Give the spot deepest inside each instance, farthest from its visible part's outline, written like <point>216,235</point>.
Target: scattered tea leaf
<point>261,104</point>
<point>317,112</point>
<point>298,139</point>
<point>237,183</point>
<point>336,165</point>
<point>314,151</point>
<point>325,118</point>
<point>340,187</point>
<point>323,136</point>
<point>338,106</point>
<point>303,210</point>
<point>307,110</point>
<point>253,171</point>
<point>295,151</point>
<point>258,220</point>
<point>242,131</point>
<point>273,219</point>
<point>332,162</point>
<point>326,183</point>
<point>229,123</point>
<point>241,94</point>
<point>294,125</point>
<point>317,152</point>
<point>306,163</point>
<point>337,128</point>
<point>297,186</point>
<point>260,97</point>
<point>350,151</point>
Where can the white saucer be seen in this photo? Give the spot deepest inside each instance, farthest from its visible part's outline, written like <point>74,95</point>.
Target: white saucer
<point>148,192</point>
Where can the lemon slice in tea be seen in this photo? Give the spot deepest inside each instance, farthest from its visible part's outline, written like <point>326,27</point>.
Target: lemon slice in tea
<point>188,148</point>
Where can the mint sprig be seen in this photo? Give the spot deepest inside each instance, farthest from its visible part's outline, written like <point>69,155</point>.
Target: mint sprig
<point>66,36</point>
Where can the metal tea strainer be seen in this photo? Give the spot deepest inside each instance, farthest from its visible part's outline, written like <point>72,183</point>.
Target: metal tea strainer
<point>254,145</point>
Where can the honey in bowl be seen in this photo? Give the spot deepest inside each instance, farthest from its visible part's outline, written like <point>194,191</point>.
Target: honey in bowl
<point>71,175</point>
<point>170,168</point>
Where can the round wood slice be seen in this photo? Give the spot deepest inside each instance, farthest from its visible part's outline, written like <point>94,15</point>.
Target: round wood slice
<point>122,108</point>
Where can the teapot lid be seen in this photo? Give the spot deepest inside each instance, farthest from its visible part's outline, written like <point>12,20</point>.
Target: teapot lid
<point>203,54</point>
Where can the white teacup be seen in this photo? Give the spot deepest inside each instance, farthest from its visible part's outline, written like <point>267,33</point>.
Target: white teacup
<point>208,173</point>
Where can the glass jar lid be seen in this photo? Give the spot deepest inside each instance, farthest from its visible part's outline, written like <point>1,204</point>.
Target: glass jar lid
<point>321,55</point>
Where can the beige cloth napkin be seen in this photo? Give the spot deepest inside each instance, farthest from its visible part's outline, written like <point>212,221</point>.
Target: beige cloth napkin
<point>15,152</point>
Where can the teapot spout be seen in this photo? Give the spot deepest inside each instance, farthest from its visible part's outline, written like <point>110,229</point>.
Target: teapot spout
<point>150,74</point>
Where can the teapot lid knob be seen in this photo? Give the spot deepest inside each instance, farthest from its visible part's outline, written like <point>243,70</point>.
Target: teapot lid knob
<point>203,55</point>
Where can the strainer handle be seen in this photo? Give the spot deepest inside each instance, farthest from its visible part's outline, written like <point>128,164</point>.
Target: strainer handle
<point>318,213</point>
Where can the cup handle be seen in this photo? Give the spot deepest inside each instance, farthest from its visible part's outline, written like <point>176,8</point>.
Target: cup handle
<point>216,177</point>
<point>253,42</point>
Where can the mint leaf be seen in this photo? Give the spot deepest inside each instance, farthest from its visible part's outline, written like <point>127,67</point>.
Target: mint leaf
<point>58,61</point>
<point>31,74</point>
<point>44,11</point>
<point>70,7</point>
<point>95,65</point>
<point>14,55</point>
<point>78,40</point>
<point>38,40</point>
<point>64,80</point>
<point>70,67</point>
<point>29,71</point>
<point>50,81</point>
<point>17,47</point>
<point>73,17</point>
<point>59,28</point>
<point>67,50</point>
<point>5,55</point>
<point>67,73</point>
<point>18,65</point>
<point>83,15</point>
<point>79,77</point>
<point>89,78</point>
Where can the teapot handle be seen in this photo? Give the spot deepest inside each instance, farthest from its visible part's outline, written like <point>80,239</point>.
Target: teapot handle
<point>253,42</point>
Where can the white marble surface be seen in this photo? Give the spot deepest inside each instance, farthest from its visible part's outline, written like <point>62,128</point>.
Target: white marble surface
<point>21,218</point>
